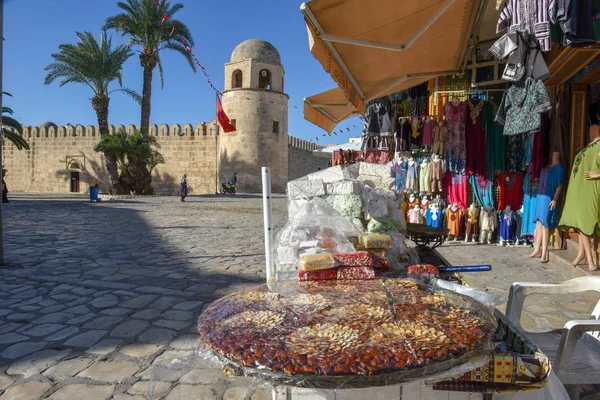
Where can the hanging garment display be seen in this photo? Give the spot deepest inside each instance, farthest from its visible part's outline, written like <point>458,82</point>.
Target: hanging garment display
<point>488,222</point>
<point>455,153</point>
<point>427,129</point>
<point>440,135</point>
<point>472,222</point>
<point>510,190</point>
<point>539,151</point>
<point>575,18</point>
<point>424,177</point>
<point>483,190</point>
<point>415,215</point>
<point>415,136</point>
<point>551,178</point>
<point>559,136</point>
<point>456,186</point>
<point>514,152</point>
<point>409,205</point>
<point>524,57</point>
<point>453,218</point>
<point>400,169</point>
<point>582,209</point>
<point>436,173</point>
<point>530,188</point>
<point>403,130</point>
<point>378,118</point>
<point>475,136</point>
<point>522,105</point>
<point>529,16</point>
<point>495,140</point>
<point>433,217</point>
<point>412,177</point>
<point>508,225</point>
<point>528,150</point>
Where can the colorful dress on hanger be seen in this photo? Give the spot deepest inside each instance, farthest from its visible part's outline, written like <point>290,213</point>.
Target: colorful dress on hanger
<point>540,148</point>
<point>456,186</point>
<point>424,178</point>
<point>428,132</point>
<point>582,208</point>
<point>400,169</point>
<point>510,190</point>
<point>552,177</point>
<point>440,135</point>
<point>433,217</point>
<point>475,136</point>
<point>514,153</point>
<point>530,16</point>
<point>472,222</point>
<point>488,220</point>
<point>412,177</point>
<point>415,216</point>
<point>522,105</point>
<point>483,190</point>
<point>528,150</point>
<point>415,135</point>
<point>455,147</point>
<point>508,225</point>
<point>529,204</point>
<point>403,131</point>
<point>453,218</point>
<point>436,173</point>
<point>495,142</point>
<point>409,205</point>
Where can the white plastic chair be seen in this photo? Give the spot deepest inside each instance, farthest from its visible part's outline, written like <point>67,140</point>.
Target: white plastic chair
<point>574,364</point>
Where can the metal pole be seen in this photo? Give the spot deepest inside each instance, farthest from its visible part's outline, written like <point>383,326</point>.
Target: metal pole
<point>216,158</point>
<point>1,127</point>
<point>266,184</point>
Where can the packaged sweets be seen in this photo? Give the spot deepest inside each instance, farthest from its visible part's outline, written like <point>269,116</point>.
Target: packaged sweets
<point>328,243</point>
<point>355,273</point>
<point>420,269</point>
<point>314,262</point>
<point>381,263</point>
<point>356,259</point>
<point>320,275</point>
<point>375,241</point>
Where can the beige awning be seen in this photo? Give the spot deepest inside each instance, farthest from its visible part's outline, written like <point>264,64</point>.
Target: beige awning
<point>374,48</point>
<point>328,109</point>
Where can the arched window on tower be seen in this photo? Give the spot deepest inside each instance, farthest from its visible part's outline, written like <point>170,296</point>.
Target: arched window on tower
<point>264,79</point>
<point>236,79</point>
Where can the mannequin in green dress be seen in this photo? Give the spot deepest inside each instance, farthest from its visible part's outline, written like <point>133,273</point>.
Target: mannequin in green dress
<point>584,189</point>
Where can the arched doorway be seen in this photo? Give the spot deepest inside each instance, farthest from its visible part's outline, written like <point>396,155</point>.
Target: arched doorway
<point>75,170</point>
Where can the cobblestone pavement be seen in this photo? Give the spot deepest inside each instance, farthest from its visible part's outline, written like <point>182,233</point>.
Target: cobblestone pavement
<point>99,299</point>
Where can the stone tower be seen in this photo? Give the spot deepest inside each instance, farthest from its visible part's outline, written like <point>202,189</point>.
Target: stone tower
<point>256,104</point>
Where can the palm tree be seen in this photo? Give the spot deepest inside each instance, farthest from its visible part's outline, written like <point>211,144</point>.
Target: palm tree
<point>96,65</point>
<point>143,22</point>
<point>12,129</point>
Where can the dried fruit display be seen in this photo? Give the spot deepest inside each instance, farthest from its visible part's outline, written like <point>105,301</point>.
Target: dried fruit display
<point>357,259</point>
<point>420,269</point>
<point>355,273</point>
<point>357,333</point>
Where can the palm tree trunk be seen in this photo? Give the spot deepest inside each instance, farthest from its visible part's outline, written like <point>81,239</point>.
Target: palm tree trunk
<point>148,61</point>
<point>146,98</point>
<point>100,104</point>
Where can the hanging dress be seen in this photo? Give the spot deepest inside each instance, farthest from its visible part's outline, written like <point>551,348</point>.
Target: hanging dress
<point>456,186</point>
<point>529,204</point>
<point>514,152</point>
<point>488,220</point>
<point>475,137</point>
<point>412,178</point>
<point>540,148</point>
<point>453,219</point>
<point>508,225</point>
<point>582,208</point>
<point>510,190</point>
<point>455,147</point>
<point>415,216</point>
<point>400,170</point>
<point>424,178</point>
<point>428,132</point>
<point>495,142</point>
<point>403,135</point>
<point>433,217</point>
<point>483,190</point>
<point>409,205</point>
<point>551,178</point>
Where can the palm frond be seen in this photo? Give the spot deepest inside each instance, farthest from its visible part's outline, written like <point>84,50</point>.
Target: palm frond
<point>10,122</point>
<point>18,140</point>
<point>7,110</point>
<point>131,93</point>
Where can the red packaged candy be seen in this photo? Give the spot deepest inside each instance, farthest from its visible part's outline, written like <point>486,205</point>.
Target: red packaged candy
<point>320,275</point>
<point>419,269</point>
<point>355,273</point>
<point>381,263</point>
<point>357,259</point>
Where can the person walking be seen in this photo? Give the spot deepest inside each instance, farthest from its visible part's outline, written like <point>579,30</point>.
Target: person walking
<point>183,187</point>
<point>4,192</point>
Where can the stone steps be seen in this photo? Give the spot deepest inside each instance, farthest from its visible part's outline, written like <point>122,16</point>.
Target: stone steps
<point>564,258</point>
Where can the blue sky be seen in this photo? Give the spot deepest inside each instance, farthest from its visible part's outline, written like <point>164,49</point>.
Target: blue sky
<point>33,30</point>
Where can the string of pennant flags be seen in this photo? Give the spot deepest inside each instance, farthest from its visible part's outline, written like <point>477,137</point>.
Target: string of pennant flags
<point>218,93</point>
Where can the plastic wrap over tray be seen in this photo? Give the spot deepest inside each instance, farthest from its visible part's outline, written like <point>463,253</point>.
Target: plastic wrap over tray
<point>330,334</point>
<point>345,187</point>
<point>348,205</point>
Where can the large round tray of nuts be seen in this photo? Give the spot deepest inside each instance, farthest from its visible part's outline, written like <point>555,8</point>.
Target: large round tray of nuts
<point>330,334</point>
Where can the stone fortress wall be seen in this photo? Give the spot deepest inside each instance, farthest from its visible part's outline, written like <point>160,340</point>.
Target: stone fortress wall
<point>58,154</point>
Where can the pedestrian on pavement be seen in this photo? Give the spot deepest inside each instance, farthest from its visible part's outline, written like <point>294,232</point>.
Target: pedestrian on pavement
<point>4,192</point>
<point>183,187</point>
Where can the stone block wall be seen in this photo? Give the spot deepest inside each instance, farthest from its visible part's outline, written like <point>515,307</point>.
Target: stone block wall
<point>303,160</point>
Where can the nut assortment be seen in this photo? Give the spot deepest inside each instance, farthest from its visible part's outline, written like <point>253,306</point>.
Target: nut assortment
<point>421,269</point>
<point>341,328</point>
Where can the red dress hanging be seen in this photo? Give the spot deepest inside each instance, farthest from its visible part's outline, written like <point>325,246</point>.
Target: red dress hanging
<point>475,136</point>
<point>511,190</point>
<point>456,185</point>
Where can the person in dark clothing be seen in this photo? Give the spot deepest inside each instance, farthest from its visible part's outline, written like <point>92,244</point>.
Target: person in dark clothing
<point>183,187</point>
<point>4,192</point>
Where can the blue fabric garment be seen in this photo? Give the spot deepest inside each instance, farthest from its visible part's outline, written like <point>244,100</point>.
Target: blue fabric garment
<point>551,178</point>
<point>400,170</point>
<point>529,206</point>
<point>508,225</point>
<point>528,150</point>
<point>483,191</point>
<point>434,219</point>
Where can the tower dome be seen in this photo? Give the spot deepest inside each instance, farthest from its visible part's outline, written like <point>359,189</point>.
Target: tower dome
<point>256,49</point>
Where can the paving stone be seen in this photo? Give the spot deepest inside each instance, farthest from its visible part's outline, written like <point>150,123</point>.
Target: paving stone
<point>110,371</point>
<point>166,359</point>
<point>157,335</point>
<point>161,373</point>
<point>83,291</point>
<point>4,312</point>
<point>54,318</point>
<point>62,334</point>
<point>202,377</point>
<point>164,302</point>
<point>167,323</point>
<point>103,322</point>
<point>86,339</point>
<point>81,319</point>
<point>139,301</point>
<point>68,368</point>
<point>188,342</point>
<point>115,311</point>
<point>52,309</point>
<point>5,382</point>
<point>21,317</point>
<point>9,338</point>
<point>152,390</point>
<point>22,349</point>
<point>26,391</point>
<point>188,305</point>
<point>241,393</point>
<point>43,329</point>
<point>82,391</point>
<point>28,308</point>
<point>130,328</point>
<point>104,347</point>
<point>147,314</point>
<point>11,326</point>
<point>125,396</point>
<point>140,350</point>
<point>36,363</point>
<point>105,301</point>
<point>191,392</point>
<point>81,309</point>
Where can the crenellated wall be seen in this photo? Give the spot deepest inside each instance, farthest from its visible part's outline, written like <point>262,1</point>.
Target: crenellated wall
<point>58,153</point>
